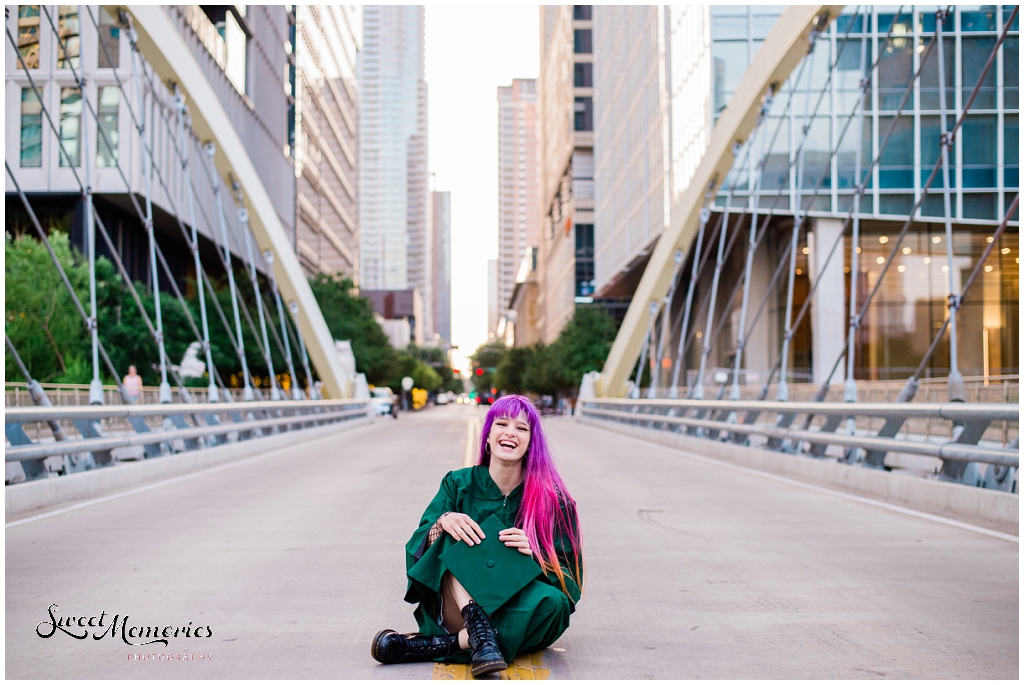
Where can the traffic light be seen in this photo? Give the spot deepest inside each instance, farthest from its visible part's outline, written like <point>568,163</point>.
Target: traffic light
<point>479,371</point>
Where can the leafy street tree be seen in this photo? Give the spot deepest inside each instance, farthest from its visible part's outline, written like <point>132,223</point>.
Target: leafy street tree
<point>350,317</point>
<point>558,368</point>
<point>584,344</point>
<point>48,332</point>
<point>40,318</point>
<point>486,359</point>
<point>510,375</point>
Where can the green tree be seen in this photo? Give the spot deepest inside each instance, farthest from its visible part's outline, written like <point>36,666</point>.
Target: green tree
<point>436,359</point>
<point>584,344</point>
<point>543,375</point>
<point>350,317</point>
<point>40,317</point>
<point>510,375</point>
<point>47,329</point>
<point>486,359</point>
<point>423,376</point>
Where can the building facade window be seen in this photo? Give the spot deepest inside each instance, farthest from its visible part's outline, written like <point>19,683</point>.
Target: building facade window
<point>70,126</point>
<point>582,12</point>
<point>584,260</point>
<point>236,41</point>
<point>28,35</point>
<point>69,47</point>
<point>31,129</point>
<point>107,139</point>
<point>583,41</point>
<point>984,173</point>
<point>911,305</point>
<point>583,114</point>
<point>583,75</point>
<point>109,56</point>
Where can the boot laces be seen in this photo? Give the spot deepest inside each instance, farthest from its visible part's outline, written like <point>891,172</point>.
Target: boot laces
<point>478,627</point>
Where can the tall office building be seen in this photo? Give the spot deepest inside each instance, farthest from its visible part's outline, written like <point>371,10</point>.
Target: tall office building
<point>566,161</point>
<point>518,213</point>
<point>395,242</point>
<point>652,125</point>
<point>441,225</point>
<point>327,39</point>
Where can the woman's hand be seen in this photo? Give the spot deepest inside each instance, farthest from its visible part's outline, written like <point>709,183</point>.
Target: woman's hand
<point>514,537</point>
<point>462,527</point>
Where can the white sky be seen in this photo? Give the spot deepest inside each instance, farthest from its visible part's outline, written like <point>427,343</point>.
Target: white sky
<point>470,51</point>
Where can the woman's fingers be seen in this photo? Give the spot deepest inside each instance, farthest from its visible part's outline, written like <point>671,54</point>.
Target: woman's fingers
<point>471,533</point>
<point>526,550</point>
<point>476,528</point>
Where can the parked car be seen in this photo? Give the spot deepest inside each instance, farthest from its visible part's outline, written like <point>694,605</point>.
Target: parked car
<point>441,398</point>
<point>384,402</point>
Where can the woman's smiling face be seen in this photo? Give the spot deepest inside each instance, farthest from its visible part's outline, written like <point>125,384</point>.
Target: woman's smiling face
<point>509,438</point>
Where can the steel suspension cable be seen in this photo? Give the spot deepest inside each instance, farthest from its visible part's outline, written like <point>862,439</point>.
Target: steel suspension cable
<point>860,189</point>
<point>95,385</point>
<point>243,218</point>
<point>955,307</point>
<point>95,396</point>
<point>156,254</point>
<point>126,398</point>
<point>684,342</point>
<point>132,38</point>
<point>35,390</point>
<point>666,305</point>
<point>931,178</point>
<point>296,392</point>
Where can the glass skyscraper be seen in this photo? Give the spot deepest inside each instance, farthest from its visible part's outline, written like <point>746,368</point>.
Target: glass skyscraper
<point>395,244</point>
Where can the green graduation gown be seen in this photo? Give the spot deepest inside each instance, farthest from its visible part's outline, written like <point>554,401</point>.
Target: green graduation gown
<point>535,616</point>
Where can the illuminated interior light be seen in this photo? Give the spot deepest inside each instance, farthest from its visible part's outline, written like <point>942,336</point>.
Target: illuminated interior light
<point>988,269</point>
<point>906,250</point>
<point>883,239</point>
<point>880,260</point>
<point>927,260</point>
<point>937,239</point>
<point>901,268</point>
<point>1005,250</point>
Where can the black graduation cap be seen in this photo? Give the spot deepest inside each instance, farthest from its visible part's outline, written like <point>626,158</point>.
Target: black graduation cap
<point>490,571</point>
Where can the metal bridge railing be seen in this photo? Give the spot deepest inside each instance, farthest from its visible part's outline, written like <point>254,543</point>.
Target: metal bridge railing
<point>178,427</point>
<point>823,426</point>
<point>77,394</point>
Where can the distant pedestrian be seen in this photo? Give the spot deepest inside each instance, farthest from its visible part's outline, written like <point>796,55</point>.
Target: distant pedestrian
<point>133,384</point>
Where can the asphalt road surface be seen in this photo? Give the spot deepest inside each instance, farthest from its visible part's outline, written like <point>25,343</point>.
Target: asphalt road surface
<point>695,569</point>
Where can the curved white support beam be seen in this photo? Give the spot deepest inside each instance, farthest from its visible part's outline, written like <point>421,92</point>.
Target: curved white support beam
<point>782,50</point>
<point>165,49</point>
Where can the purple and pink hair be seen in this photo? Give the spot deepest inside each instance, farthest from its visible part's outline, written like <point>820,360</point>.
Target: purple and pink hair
<point>541,512</point>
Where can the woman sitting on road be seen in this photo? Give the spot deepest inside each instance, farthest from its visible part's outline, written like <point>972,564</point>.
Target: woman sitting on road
<point>515,479</point>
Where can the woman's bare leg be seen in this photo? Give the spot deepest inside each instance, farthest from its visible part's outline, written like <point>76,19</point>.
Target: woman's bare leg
<point>455,598</point>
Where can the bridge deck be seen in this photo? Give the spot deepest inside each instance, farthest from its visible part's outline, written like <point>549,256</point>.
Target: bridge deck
<point>696,569</point>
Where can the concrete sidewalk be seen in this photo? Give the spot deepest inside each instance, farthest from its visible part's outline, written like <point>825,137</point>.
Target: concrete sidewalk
<point>695,569</point>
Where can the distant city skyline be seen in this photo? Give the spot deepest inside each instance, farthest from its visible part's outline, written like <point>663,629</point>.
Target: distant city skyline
<point>464,66</point>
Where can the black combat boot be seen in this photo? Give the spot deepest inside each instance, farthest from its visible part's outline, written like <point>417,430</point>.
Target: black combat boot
<point>390,647</point>
<point>483,641</point>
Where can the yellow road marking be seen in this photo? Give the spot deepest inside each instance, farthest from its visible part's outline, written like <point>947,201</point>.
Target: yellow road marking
<point>472,440</point>
<point>525,667</point>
